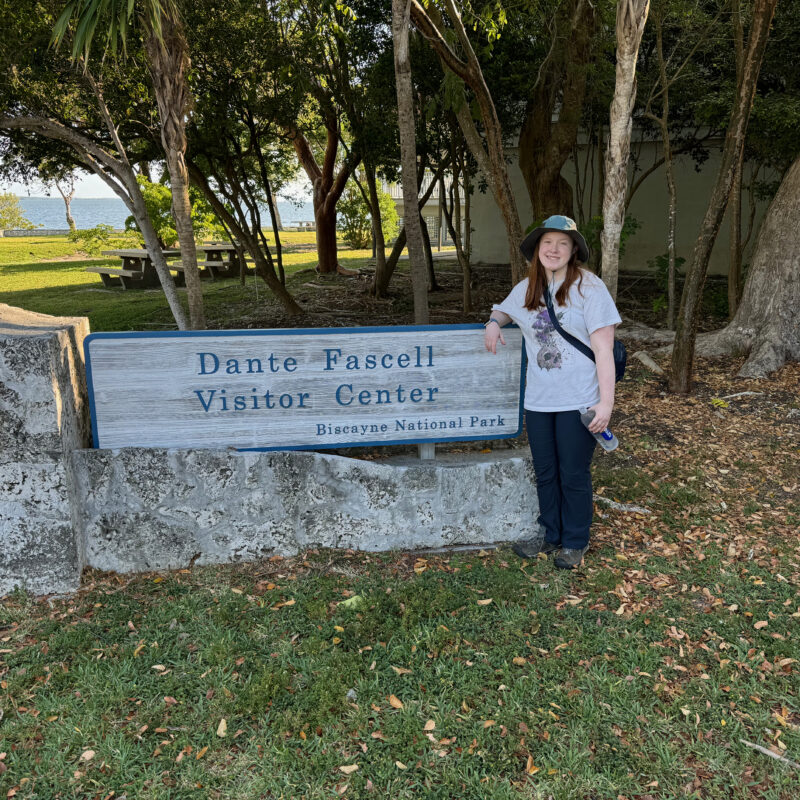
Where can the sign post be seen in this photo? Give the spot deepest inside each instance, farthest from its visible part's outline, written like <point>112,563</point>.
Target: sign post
<point>303,389</point>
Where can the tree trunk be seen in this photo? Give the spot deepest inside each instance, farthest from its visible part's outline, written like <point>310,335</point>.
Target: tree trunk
<point>452,216</point>
<point>673,214</point>
<point>491,157</point>
<point>631,18</point>
<point>766,324</point>
<point>433,286</point>
<point>327,254</point>
<point>377,221</point>
<point>168,60</point>
<point>274,216</point>
<point>264,268</point>
<point>67,196</point>
<point>735,248</point>
<point>686,331</point>
<point>408,160</point>
<point>327,188</point>
<point>735,244</point>
<point>380,286</point>
<point>544,144</point>
<point>669,167</point>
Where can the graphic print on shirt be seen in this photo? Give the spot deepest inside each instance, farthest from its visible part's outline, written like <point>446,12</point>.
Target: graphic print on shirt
<point>549,355</point>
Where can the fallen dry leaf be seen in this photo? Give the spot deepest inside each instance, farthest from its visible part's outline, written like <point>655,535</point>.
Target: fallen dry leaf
<point>348,769</point>
<point>400,765</point>
<point>429,725</point>
<point>485,601</point>
<point>395,702</point>
<point>87,755</point>
<point>519,661</point>
<point>402,670</point>
<point>762,624</point>
<point>222,728</point>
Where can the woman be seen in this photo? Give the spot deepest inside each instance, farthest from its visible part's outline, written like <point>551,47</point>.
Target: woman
<point>560,380</point>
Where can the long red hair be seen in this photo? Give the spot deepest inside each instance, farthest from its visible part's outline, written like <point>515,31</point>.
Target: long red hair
<point>537,280</point>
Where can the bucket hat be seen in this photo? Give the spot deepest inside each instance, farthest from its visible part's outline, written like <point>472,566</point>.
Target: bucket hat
<point>561,224</point>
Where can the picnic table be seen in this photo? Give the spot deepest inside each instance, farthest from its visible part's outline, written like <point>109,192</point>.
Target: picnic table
<point>137,269</point>
<point>221,260</point>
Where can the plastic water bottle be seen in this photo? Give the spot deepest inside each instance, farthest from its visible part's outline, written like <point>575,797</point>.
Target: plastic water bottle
<point>607,439</point>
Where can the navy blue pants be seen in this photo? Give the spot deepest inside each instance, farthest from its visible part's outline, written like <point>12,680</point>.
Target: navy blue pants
<point>562,452</point>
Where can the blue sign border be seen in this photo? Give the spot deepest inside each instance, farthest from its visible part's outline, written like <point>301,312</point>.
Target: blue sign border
<point>302,332</point>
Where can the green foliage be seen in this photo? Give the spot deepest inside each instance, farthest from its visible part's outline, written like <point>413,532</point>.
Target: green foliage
<point>389,218</point>
<point>355,221</point>
<point>660,266</point>
<point>92,240</point>
<point>11,216</point>
<point>158,201</point>
<point>114,20</point>
<point>592,229</point>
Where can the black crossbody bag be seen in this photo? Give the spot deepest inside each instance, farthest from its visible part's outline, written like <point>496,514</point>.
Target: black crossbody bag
<point>620,353</point>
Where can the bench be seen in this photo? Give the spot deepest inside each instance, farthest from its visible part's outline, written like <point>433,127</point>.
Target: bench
<point>113,277</point>
<point>213,268</point>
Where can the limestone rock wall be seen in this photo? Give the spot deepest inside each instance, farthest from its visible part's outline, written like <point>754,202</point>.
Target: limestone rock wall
<point>145,509</point>
<point>43,418</point>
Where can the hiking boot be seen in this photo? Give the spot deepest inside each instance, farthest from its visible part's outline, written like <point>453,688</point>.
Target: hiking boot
<point>530,548</point>
<point>570,558</point>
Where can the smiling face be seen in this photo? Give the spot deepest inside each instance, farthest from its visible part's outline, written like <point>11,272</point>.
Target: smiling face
<point>555,251</point>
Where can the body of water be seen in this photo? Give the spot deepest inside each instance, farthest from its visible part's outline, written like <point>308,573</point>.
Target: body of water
<point>49,212</point>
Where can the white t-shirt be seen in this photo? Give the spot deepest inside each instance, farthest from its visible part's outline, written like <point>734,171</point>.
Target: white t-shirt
<point>559,376</point>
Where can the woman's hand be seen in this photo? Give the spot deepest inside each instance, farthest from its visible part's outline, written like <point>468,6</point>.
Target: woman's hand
<point>491,335</point>
<point>494,331</point>
<point>602,416</point>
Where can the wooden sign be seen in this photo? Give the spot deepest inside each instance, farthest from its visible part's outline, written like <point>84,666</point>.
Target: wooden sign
<point>303,389</point>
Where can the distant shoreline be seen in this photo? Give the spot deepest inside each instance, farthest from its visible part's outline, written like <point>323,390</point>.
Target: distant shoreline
<point>88,212</point>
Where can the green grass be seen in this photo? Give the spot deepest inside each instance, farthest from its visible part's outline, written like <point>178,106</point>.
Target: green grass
<point>545,679</point>
<point>30,279</point>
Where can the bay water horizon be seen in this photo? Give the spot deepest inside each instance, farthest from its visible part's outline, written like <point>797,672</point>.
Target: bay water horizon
<point>88,212</point>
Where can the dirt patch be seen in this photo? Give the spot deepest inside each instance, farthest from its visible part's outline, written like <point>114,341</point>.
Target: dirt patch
<point>79,256</point>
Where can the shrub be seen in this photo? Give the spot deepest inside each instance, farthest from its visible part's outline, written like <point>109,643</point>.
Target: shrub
<point>355,219</point>
<point>11,216</point>
<point>92,240</point>
<point>158,201</point>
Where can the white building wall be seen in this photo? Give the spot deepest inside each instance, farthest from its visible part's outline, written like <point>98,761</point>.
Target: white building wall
<point>649,206</point>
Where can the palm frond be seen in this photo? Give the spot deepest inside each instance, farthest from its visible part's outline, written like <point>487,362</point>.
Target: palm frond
<point>112,19</point>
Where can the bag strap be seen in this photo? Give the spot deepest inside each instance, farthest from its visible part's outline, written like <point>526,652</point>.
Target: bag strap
<point>576,343</point>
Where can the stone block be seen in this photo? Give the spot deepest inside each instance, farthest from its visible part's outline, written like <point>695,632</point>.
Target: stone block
<point>160,509</point>
<point>43,418</point>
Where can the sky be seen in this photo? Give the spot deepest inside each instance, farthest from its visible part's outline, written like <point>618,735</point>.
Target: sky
<point>87,186</point>
<point>92,186</point>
